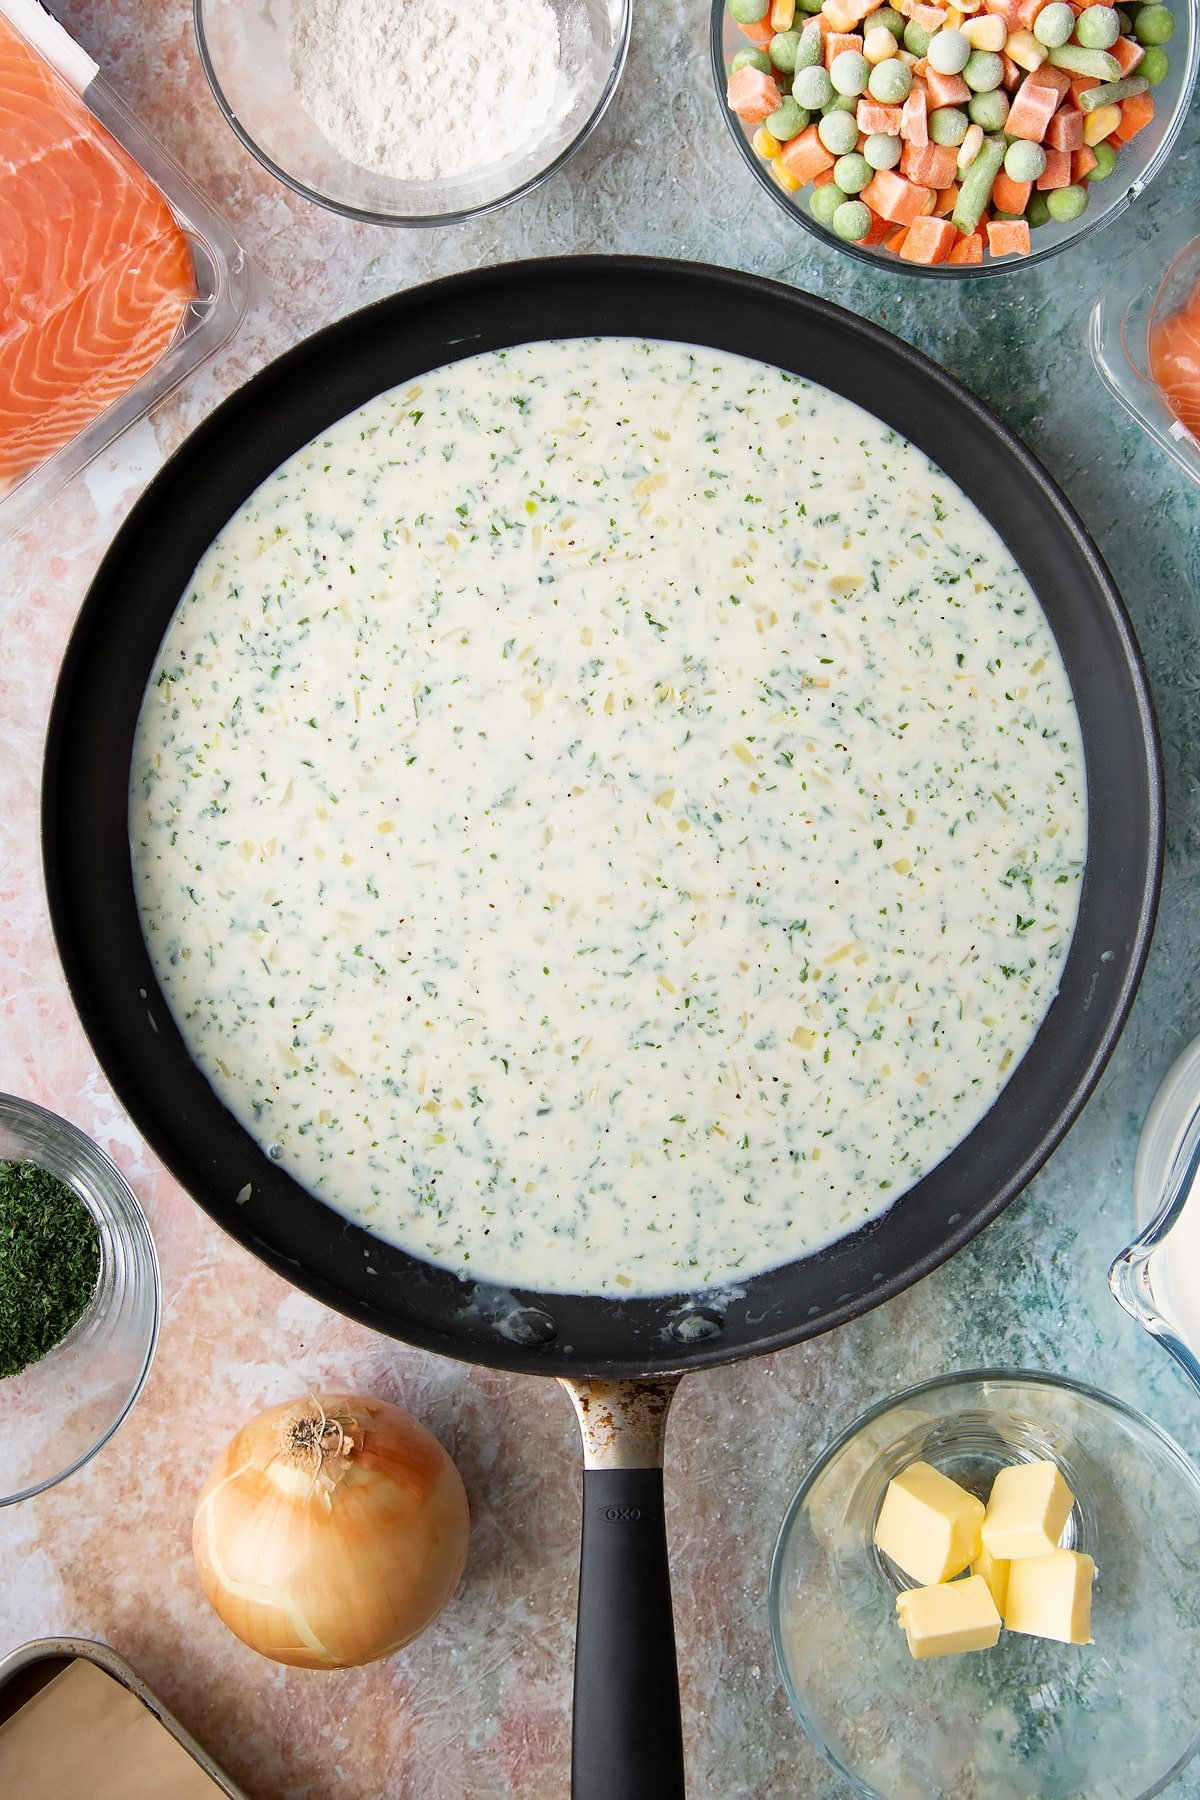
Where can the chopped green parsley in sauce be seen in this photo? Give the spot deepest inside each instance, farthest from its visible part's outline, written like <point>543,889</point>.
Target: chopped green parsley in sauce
<point>608,816</point>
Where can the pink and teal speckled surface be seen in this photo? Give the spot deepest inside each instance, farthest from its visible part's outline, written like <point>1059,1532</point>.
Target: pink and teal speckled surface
<point>480,1706</point>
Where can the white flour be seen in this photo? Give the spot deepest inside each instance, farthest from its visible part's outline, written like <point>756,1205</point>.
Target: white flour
<point>423,92</point>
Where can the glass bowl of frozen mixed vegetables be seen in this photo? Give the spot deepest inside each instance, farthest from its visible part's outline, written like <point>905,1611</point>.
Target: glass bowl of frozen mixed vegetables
<point>947,139</point>
<point>79,1299</point>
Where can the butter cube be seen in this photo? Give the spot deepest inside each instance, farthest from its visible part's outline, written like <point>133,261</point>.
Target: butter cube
<point>1051,1596</point>
<point>949,1618</point>
<point>995,1573</point>
<point>928,1525</point>
<point>1026,1511</point>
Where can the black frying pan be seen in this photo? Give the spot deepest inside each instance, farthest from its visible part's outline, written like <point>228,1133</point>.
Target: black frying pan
<point>627,1739</point>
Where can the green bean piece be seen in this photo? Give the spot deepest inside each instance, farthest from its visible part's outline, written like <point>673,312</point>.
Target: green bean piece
<point>810,51</point>
<point>1109,92</point>
<point>751,58</point>
<point>988,111</point>
<point>1077,61</point>
<point>1155,65</point>
<point>1154,25</point>
<point>976,188</point>
<point>1106,162</point>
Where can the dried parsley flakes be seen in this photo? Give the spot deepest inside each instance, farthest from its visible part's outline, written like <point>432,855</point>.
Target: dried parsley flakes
<point>49,1263</point>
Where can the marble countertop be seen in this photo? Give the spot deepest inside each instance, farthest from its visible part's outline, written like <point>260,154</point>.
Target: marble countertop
<point>480,1706</point>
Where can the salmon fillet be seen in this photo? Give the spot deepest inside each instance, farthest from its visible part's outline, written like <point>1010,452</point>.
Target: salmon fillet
<point>1175,361</point>
<point>95,273</point>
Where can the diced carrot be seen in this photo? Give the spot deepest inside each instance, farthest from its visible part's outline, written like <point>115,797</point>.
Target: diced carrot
<point>1011,73</point>
<point>1083,161</point>
<point>837,41</point>
<point>896,241</point>
<point>1028,11</point>
<point>823,177</point>
<point>945,201</point>
<point>967,249</point>
<point>1050,77</point>
<point>760,33</point>
<point>1136,114</point>
<point>1010,196</point>
<point>753,96</point>
<point>914,116</point>
<point>892,197</point>
<point>1065,130</point>
<point>1008,10</point>
<point>933,165</point>
<point>944,90</point>
<point>1008,237</point>
<point>871,117</point>
<point>929,18</point>
<point>823,24</point>
<point>880,230</point>
<point>929,241</point>
<point>1032,109</point>
<point>1057,172</point>
<point>1127,53</point>
<point>805,156</point>
<point>844,15</point>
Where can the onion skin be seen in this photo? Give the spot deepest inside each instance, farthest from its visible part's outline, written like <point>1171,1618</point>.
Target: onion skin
<point>327,1558</point>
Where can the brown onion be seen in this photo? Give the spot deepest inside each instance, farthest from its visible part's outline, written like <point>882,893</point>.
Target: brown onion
<point>331,1531</point>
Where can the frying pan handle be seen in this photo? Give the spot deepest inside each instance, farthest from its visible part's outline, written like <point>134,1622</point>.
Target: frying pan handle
<point>628,1742</point>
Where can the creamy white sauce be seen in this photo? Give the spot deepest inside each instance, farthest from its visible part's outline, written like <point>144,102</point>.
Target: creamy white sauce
<point>608,816</point>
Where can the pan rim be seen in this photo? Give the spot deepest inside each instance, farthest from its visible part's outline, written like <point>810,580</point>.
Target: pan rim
<point>309,353</point>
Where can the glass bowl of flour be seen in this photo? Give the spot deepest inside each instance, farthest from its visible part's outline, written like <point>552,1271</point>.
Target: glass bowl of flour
<point>406,114</point>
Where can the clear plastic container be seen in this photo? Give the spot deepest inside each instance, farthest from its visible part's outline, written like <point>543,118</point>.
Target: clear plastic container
<point>222,270</point>
<point>1156,280</point>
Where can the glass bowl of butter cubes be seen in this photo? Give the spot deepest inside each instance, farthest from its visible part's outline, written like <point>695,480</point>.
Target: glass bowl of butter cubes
<point>988,1588</point>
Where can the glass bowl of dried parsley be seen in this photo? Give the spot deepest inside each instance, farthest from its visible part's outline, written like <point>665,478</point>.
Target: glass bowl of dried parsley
<point>79,1299</point>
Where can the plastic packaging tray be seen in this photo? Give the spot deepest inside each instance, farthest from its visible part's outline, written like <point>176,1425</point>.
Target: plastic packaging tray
<point>223,271</point>
<point>1155,280</point>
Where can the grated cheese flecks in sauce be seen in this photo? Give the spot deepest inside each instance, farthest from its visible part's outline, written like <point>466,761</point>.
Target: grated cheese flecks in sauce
<point>608,816</point>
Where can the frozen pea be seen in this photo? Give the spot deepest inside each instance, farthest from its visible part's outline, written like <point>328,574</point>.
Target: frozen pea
<point>749,12</point>
<point>949,52</point>
<point>809,6</point>
<point>782,50</point>
<point>947,125</point>
<point>916,39</point>
<point>823,202</point>
<point>1054,25</point>
<point>889,18</point>
<point>988,111</point>
<point>1153,25</point>
<point>1023,161</point>
<point>812,88</point>
<point>838,131</point>
<point>1097,28</point>
<point>750,58</point>
<point>983,71</point>
<point>890,82</point>
<point>852,221</point>
<point>1155,65</point>
<point>848,72</point>
<point>1038,210</point>
<point>788,122</point>
<point>841,103</point>
<point>1067,203</point>
<point>1106,162</point>
<point>852,172</point>
<point>882,150</point>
